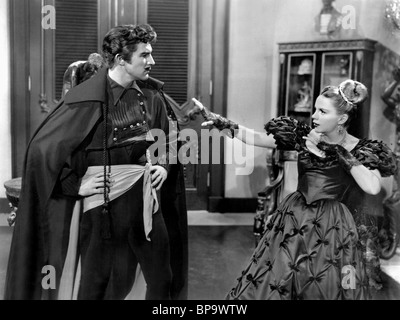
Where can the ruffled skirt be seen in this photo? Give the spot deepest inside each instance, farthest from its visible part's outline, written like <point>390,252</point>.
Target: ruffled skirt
<point>308,251</point>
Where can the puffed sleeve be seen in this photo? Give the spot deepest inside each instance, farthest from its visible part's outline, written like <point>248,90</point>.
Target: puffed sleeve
<point>377,155</point>
<point>288,132</point>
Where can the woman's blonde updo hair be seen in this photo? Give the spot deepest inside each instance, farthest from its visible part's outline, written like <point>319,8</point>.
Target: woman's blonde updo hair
<point>347,96</point>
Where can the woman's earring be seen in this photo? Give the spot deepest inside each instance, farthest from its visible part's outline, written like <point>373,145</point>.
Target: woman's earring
<point>340,129</point>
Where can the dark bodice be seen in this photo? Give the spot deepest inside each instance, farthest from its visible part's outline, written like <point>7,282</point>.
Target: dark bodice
<point>316,182</point>
<point>324,178</point>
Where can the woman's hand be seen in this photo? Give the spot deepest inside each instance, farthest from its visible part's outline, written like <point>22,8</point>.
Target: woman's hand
<point>346,159</point>
<point>215,119</point>
<point>203,112</point>
<point>312,140</point>
<point>95,185</point>
<point>158,176</point>
<point>313,137</point>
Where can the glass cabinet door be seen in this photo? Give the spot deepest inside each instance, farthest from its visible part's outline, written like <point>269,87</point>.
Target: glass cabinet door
<point>300,86</point>
<point>336,67</point>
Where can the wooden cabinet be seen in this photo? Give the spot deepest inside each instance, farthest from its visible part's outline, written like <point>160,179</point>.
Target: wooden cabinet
<point>307,67</point>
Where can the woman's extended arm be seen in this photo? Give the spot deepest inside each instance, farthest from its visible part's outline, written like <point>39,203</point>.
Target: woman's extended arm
<point>256,138</point>
<point>247,135</point>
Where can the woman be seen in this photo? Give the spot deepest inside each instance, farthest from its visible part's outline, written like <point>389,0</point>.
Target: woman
<point>312,248</point>
<point>390,235</point>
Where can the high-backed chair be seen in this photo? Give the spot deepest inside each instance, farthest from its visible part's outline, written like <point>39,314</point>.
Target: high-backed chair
<point>80,71</point>
<point>282,180</point>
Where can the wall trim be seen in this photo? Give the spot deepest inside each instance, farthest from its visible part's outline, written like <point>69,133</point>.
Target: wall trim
<point>351,44</point>
<point>4,205</point>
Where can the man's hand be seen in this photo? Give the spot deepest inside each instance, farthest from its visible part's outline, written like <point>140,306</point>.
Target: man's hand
<point>95,185</point>
<point>158,176</point>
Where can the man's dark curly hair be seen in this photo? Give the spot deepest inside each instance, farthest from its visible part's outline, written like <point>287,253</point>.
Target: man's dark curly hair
<point>123,40</point>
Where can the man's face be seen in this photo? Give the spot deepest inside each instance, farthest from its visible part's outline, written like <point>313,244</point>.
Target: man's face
<point>138,68</point>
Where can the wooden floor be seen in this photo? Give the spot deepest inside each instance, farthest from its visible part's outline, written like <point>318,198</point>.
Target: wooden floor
<point>217,255</point>
<point>219,247</point>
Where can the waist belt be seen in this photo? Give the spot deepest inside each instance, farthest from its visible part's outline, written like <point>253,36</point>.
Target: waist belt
<point>125,177</point>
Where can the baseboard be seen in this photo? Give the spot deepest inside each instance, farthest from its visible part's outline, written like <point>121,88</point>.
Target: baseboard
<point>216,204</point>
<point>234,205</point>
<point>4,205</point>
<point>194,201</point>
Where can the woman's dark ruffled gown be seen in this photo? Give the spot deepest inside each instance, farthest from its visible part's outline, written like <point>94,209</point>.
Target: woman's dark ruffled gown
<point>312,247</point>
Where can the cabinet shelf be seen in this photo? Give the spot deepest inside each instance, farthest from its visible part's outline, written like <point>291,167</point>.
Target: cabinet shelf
<point>307,67</point>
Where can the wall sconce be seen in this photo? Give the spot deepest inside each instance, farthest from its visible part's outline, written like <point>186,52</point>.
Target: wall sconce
<point>392,15</point>
<point>329,20</point>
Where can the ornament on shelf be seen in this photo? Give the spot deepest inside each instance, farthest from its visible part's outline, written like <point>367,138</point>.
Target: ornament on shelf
<point>328,22</point>
<point>392,16</point>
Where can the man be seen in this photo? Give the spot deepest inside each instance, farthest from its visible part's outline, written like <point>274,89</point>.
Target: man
<point>93,203</point>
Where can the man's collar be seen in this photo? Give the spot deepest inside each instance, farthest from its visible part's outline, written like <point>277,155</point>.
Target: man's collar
<point>151,83</point>
<point>118,90</point>
<point>95,89</point>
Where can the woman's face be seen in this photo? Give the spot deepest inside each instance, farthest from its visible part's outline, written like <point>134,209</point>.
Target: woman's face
<point>325,117</point>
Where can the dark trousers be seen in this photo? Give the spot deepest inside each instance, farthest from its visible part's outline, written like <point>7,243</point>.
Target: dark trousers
<point>109,265</point>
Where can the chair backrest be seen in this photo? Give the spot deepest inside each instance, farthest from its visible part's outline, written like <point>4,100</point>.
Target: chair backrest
<point>288,160</point>
<point>281,181</point>
<point>80,71</point>
<point>70,78</point>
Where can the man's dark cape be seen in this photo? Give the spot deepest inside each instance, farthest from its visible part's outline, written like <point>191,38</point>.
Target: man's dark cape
<point>41,232</point>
